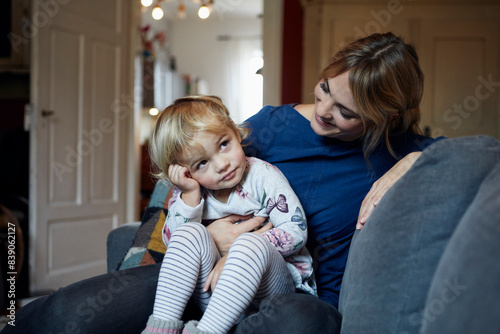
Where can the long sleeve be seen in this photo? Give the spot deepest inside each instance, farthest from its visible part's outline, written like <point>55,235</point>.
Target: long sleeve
<point>179,213</point>
<point>280,203</point>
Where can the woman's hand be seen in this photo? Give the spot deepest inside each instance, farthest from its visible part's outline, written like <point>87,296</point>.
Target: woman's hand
<point>224,231</point>
<point>380,187</point>
<point>214,275</point>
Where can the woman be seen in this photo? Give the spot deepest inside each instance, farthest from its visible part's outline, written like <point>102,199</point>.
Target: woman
<point>363,121</point>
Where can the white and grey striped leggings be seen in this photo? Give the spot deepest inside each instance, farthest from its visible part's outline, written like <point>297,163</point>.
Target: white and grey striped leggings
<point>254,269</point>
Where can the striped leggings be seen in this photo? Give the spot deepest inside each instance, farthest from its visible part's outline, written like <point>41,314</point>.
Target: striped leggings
<point>254,269</point>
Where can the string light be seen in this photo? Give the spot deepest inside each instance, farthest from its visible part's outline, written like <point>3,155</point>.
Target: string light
<point>181,10</point>
<point>154,111</point>
<point>203,12</point>
<point>157,12</point>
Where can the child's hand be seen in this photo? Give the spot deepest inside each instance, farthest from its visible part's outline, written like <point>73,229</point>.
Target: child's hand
<point>181,178</point>
<point>214,275</point>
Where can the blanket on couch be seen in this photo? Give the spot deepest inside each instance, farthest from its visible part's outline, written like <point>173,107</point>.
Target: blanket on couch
<point>148,246</point>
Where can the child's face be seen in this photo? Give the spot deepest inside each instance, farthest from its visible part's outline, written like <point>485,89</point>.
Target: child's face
<point>217,160</point>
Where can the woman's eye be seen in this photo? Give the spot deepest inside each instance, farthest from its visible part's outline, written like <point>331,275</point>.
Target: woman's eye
<point>344,114</point>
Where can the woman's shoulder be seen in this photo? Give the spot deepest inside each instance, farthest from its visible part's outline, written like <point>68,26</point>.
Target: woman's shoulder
<point>411,142</point>
<point>267,113</point>
<point>257,167</point>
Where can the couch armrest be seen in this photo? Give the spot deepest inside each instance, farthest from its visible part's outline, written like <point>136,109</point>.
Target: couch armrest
<point>119,241</point>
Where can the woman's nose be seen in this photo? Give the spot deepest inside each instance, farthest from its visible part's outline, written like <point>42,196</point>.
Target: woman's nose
<point>322,109</point>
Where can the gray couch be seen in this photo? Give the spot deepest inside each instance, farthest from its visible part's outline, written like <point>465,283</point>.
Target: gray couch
<point>427,261</point>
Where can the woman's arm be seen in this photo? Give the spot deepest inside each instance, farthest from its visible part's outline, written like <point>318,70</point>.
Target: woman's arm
<point>224,231</point>
<point>380,187</point>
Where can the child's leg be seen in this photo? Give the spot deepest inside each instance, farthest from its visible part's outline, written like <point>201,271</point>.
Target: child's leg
<point>190,256</point>
<point>254,268</point>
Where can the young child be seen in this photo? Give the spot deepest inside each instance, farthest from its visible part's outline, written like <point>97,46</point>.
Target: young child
<point>197,146</point>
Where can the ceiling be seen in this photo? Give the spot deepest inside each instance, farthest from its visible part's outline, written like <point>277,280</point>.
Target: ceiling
<point>222,9</point>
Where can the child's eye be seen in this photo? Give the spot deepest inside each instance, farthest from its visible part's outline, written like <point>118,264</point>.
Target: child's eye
<point>224,144</point>
<point>202,164</point>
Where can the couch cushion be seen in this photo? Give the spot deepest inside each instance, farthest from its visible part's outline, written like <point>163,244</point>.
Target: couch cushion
<point>464,296</point>
<point>393,258</point>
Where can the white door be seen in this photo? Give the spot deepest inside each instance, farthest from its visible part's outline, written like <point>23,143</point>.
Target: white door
<point>81,95</point>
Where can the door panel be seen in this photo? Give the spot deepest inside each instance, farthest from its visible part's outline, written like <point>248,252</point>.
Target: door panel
<point>81,71</point>
<point>65,124</point>
<point>461,58</point>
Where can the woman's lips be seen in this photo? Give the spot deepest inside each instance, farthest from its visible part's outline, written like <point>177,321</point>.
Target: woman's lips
<point>322,122</point>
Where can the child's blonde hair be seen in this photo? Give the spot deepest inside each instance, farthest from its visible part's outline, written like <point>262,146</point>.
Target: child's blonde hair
<point>175,128</point>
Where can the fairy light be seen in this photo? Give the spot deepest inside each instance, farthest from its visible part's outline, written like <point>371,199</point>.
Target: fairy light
<point>203,12</point>
<point>157,12</point>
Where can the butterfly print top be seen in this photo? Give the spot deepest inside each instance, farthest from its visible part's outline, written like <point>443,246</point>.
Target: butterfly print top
<point>264,191</point>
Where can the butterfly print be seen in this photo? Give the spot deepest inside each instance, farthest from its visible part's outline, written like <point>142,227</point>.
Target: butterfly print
<point>279,203</point>
<point>298,217</point>
<point>167,233</point>
<point>241,192</point>
<point>175,192</point>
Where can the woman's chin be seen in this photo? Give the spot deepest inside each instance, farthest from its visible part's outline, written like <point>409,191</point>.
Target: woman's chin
<point>329,131</point>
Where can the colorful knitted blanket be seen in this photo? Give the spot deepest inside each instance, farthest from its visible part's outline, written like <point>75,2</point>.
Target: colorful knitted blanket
<point>148,246</point>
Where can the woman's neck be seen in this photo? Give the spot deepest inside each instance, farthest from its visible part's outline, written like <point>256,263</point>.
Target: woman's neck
<point>306,110</point>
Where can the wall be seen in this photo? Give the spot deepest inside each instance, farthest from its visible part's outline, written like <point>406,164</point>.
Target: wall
<point>206,49</point>
<point>458,46</point>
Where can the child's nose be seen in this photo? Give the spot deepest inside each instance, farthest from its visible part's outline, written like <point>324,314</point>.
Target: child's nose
<point>222,164</point>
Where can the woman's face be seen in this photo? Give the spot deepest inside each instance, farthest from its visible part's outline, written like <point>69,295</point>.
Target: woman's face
<point>335,113</point>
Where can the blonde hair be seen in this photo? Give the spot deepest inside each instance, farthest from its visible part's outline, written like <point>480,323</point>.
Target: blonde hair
<point>386,83</point>
<point>178,123</point>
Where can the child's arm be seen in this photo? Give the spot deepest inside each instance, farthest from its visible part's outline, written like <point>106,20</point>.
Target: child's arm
<point>281,204</point>
<point>186,204</point>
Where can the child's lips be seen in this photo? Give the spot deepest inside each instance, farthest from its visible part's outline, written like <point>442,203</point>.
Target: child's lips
<point>229,175</point>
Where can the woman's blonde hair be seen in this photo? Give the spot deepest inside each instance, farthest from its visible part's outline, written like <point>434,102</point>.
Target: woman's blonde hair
<point>386,83</point>
<point>175,129</point>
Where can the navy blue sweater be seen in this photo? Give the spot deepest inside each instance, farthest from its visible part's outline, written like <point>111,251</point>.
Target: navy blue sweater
<point>331,179</point>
